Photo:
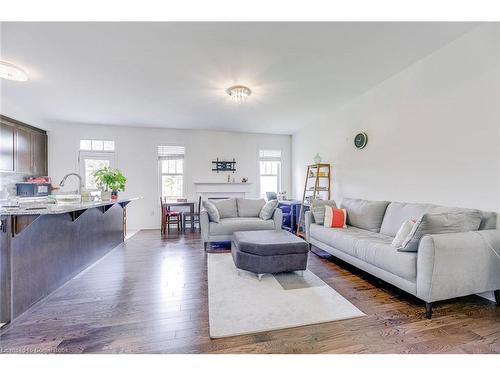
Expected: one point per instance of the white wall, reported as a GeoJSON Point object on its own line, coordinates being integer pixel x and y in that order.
{"type": "Point", "coordinates": [433, 131]}
{"type": "Point", "coordinates": [136, 156]}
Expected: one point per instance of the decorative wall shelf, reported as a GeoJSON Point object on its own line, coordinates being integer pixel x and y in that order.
{"type": "Point", "coordinates": [314, 171]}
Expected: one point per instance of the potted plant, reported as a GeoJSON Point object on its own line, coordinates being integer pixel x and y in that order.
{"type": "Point", "coordinates": [111, 182]}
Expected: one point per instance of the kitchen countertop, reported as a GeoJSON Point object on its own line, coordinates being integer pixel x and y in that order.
{"type": "Point", "coordinates": [41, 208]}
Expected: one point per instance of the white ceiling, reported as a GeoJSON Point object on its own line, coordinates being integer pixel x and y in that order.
{"type": "Point", "coordinates": [174, 74]}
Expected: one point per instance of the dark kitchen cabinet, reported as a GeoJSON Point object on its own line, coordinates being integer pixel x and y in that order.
{"type": "Point", "coordinates": [7, 147]}
{"type": "Point", "coordinates": [39, 153]}
{"type": "Point", "coordinates": [23, 148]}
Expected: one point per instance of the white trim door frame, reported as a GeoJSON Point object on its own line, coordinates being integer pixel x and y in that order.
{"type": "Point", "coordinates": [93, 155]}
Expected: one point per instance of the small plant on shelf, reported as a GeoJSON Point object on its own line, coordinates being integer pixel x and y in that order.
{"type": "Point", "coordinates": [110, 181]}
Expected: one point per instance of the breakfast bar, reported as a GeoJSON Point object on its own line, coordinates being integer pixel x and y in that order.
{"type": "Point", "coordinates": [43, 247]}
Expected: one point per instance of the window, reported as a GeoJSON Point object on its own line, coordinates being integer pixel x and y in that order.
{"type": "Point", "coordinates": [96, 145]}
{"type": "Point", "coordinates": [171, 167]}
{"type": "Point", "coordinates": [95, 154]}
{"type": "Point", "coordinates": [270, 171]}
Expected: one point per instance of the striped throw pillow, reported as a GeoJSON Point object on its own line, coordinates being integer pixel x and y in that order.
{"type": "Point", "coordinates": [335, 217]}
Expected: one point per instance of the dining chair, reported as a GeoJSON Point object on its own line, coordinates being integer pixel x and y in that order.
{"type": "Point", "coordinates": [169, 217]}
{"type": "Point", "coordinates": [196, 216]}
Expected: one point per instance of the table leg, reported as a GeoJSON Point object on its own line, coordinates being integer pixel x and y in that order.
{"type": "Point", "coordinates": [191, 209]}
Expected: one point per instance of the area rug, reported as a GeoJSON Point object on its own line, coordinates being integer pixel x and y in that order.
{"type": "Point", "coordinates": [241, 304]}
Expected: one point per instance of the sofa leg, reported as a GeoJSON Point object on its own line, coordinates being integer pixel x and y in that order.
{"type": "Point", "coordinates": [428, 310]}
{"type": "Point", "coordinates": [497, 296]}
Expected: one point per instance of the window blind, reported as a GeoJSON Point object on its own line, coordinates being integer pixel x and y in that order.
{"type": "Point", "coordinates": [170, 152]}
{"type": "Point", "coordinates": [270, 154]}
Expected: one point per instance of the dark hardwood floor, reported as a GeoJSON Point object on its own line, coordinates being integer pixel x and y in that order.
{"type": "Point", "coordinates": [150, 296]}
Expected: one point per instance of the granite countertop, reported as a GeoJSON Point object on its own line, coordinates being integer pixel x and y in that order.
{"type": "Point", "coordinates": [41, 208]}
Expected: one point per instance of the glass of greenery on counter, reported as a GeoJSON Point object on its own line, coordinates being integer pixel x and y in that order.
{"type": "Point", "coordinates": [110, 181]}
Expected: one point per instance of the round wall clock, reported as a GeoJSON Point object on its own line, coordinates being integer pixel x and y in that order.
{"type": "Point", "coordinates": [360, 140]}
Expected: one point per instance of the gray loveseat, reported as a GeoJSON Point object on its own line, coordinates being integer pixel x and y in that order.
{"type": "Point", "coordinates": [236, 215]}
{"type": "Point", "coordinates": [444, 266]}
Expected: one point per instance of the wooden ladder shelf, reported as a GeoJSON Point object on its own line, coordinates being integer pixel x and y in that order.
{"type": "Point", "coordinates": [317, 173]}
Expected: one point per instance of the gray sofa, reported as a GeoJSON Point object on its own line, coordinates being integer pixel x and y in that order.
{"type": "Point", "coordinates": [236, 215]}
{"type": "Point", "coordinates": [444, 266]}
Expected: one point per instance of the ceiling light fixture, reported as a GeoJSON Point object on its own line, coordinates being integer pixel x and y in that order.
{"type": "Point", "coordinates": [239, 93]}
{"type": "Point", "coordinates": [12, 72]}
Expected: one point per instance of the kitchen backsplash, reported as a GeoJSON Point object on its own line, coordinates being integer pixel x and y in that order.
{"type": "Point", "coordinates": [8, 184]}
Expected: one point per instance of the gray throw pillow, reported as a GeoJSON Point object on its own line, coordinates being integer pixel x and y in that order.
{"type": "Point", "coordinates": [227, 207]}
{"type": "Point", "coordinates": [365, 214]}
{"type": "Point", "coordinates": [213, 212]}
{"type": "Point", "coordinates": [436, 224]}
{"type": "Point", "coordinates": [473, 216]}
{"type": "Point", "coordinates": [267, 212]}
{"type": "Point", "coordinates": [318, 209]}
{"type": "Point", "coordinates": [488, 220]}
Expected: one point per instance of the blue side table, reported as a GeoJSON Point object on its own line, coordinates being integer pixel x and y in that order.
{"type": "Point", "coordinates": [291, 212]}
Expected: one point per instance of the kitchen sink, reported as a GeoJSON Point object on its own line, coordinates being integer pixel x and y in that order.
{"type": "Point", "coordinates": [62, 199]}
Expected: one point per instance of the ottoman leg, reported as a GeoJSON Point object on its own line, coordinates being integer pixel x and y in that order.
{"type": "Point", "coordinates": [259, 275]}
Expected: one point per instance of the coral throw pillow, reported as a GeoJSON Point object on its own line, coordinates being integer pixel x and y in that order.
{"type": "Point", "coordinates": [335, 217]}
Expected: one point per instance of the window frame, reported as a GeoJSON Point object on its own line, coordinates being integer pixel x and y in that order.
{"type": "Point", "coordinates": [96, 155]}
{"type": "Point", "coordinates": [96, 140]}
{"type": "Point", "coordinates": [161, 174]}
{"type": "Point", "coordinates": [279, 174]}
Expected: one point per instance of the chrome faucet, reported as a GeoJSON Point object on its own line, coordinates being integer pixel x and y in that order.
{"type": "Point", "coordinates": [80, 183]}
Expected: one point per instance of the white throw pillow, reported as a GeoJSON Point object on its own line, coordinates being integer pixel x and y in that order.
{"type": "Point", "coordinates": [403, 232]}
{"type": "Point", "coordinates": [267, 212]}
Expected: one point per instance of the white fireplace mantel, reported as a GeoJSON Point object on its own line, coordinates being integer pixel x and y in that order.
{"type": "Point", "coordinates": [223, 189]}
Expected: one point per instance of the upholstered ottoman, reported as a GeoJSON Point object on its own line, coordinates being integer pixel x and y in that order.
{"type": "Point", "coordinates": [269, 251]}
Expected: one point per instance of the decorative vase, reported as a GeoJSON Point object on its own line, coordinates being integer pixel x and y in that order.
{"type": "Point", "coordinates": [317, 159]}
{"type": "Point", "coordinates": [105, 195]}
{"type": "Point", "coordinates": [114, 195]}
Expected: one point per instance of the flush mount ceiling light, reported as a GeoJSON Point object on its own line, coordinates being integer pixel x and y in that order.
{"type": "Point", "coordinates": [239, 93]}
{"type": "Point", "coordinates": [12, 72]}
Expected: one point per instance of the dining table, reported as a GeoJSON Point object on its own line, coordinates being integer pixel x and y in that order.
{"type": "Point", "coordinates": [189, 204]}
